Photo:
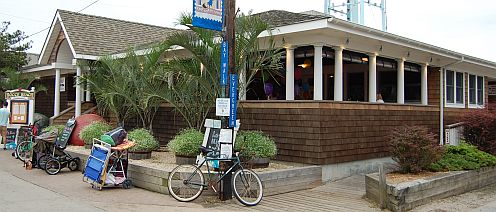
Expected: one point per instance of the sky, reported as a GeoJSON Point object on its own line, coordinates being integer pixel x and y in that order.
{"type": "Point", "coordinates": [463, 26]}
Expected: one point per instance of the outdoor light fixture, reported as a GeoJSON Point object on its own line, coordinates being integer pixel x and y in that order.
{"type": "Point", "coordinates": [365, 59]}
{"type": "Point", "coordinates": [307, 63]}
{"type": "Point", "coordinates": [380, 49]}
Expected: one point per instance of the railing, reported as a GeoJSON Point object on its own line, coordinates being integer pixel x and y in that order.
{"type": "Point", "coordinates": [453, 134]}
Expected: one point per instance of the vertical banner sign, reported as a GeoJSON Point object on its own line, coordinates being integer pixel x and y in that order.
{"type": "Point", "coordinates": [208, 14]}
{"type": "Point", "coordinates": [233, 95]}
{"type": "Point", "coordinates": [224, 59]}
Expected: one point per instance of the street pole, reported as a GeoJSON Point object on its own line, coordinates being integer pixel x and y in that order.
{"type": "Point", "coordinates": [230, 17]}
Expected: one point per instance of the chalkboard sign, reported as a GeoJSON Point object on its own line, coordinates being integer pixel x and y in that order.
{"type": "Point", "coordinates": [11, 135]}
{"type": "Point", "coordinates": [66, 134]}
{"type": "Point", "coordinates": [213, 140]}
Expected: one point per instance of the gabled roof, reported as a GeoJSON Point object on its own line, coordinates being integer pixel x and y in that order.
{"type": "Point", "coordinates": [277, 18]}
{"type": "Point", "coordinates": [97, 36]}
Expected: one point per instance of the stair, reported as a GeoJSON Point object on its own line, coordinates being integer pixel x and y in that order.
{"type": "Point", "coordinates": [61, 119]}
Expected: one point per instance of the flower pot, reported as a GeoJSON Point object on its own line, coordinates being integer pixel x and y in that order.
{"type": "Point", "coordinates": [88, 146]}
{"type": "Point", "coordinates": [140, 155]}
{"type": "Point", "coordinates": [184, 160]}
{"type": "Point", "coordinates": [256, 163]}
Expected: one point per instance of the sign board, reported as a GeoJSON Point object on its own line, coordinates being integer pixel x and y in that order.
{"type": "Point", "coordinates": [62, 84]}
{"type": "Point", "coordinates": [19, 93]}
{"type": "Point", "coordinates": [224, 60]}
{"type": "Point", "coordinates": [492, 90]}
{"type": "Point", "coordinates": [66, 133]}
{"type": "Point", "coordinates": [222, 107]}
{"type": "Point", "coordinates": [233, 95]}
{"type": "Point", "coordinates": [19, 111]}
{"type": "Point", "coordinates": [11, 135]}
{"type": "Point", "coordinates": [208, 14]}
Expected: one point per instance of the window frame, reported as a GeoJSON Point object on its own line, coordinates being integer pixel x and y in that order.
{"type": "Point", "coordinates": [454, 104]}
{"type": "Point", "coordinates": [477, 105]}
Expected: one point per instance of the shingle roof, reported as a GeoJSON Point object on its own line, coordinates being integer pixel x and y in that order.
{"type": "Point", "coordinates": [97, 36]}
{"type": "Point", "coordinates": [277, 18]}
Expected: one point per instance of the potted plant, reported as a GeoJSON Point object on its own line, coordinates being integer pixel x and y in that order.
{"type": "Point", "coordinates": [256, 148]}
{"type": "Point", "coordinates": [145, 144]}
{"type": "Point", "coordinates": [185, 146]}
{"type": "Point", "coordinates": [94, 130]}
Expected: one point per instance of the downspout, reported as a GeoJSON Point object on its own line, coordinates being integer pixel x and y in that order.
{"type": "Point", "coordinates": [441, 99]}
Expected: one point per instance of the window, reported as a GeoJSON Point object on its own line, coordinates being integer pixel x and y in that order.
{"type": "Point", "coordinates": [454, 88]}
{"type": "Point", "coordinates": [476, 90]}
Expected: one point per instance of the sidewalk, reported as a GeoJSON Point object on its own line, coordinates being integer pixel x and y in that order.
{"type": "Point", "coordinates": [67, 190]}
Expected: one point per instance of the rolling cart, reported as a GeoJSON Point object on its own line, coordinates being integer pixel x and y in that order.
{"type": "Point", "coordinates": [107, 166]}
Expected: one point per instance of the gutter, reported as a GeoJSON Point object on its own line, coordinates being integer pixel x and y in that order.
{"type": "Point", "coordinates": [441, 98]}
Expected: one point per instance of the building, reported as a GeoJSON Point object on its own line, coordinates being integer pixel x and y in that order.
{"type": "Point", "coordinates": [326, 111]}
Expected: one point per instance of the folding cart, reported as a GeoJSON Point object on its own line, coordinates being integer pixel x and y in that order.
{"type": "Point", "coordinates": [107, 166]}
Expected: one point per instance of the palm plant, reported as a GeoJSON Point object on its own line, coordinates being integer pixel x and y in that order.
{"type": "Point", "coordinates": [121, 85]}
{"type": "Point", "coordinates": [194, 82]}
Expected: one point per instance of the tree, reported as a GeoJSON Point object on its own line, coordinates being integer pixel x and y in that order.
{"type": "Point", "coordinates": [12, 50]}
{"type": "Point", "coordinates": [194, 83]}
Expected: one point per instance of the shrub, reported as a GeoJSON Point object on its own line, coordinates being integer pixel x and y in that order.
{"type": "Point", "coordinates": [54, 128]}
{"type": "Point", "coordinates": [255, 144]}
{"type": "Point", "coordinates": [186, 143]}
{"type": "Point", "coordinates": [414, 148]}
{"type": "Point", "coordinates": [463, 157]}
{"type": "Point", "coordinates": [479, 128]}
{"type": "Point", "coordinates": [94, 130]}
{"type": "Point", "coordinates": [145, 142]}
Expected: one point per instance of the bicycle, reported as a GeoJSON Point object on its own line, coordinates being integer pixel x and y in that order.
{"type": "Point", "coordinates": [187, 182]}
{"type": "Point", "coordinates": [24, 149]}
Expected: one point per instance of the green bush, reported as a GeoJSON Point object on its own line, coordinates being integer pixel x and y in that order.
{"type": "Point", "coordinates": [145, 142]}
{"type": "Point", "coordinates": [54, 128]}
{"type": "Point", "coordinates": [186, 143]}
{"type": "Point", "coordinates": [255, 144]}
{"type": "Point", "coordinates": [414, 148]}
{"type": "Point", "coordinates": [463, 157]}
{"type": "Point", "coordinates": [94, 130]}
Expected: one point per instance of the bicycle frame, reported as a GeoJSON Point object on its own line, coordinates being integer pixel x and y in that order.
{"type": "Point", "coordinates": [221, 176]}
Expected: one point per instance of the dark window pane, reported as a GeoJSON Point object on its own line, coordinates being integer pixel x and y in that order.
{"type": "Point", "coordinates": [459, 87]}
{"type": "Point", "coordinates": [480, 90]}
{"type": "Point", "coordinates": [471, 89]}
{"type": "Point", "coordinates": [450, 94]}
{"type": "Point", "coordinates": [450, 78]}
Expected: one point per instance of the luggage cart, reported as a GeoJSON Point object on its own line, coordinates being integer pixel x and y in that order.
{"type": "Point", "coordinates": [107, 166]}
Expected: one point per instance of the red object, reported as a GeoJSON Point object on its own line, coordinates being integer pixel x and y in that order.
{"type": "Point", "coordinates": [81, 122]}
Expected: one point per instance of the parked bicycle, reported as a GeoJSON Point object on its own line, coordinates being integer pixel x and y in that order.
{"type": "Point", "coordinates": [24, 149]}
{"type": "Point", "coordinates": [187, 182]}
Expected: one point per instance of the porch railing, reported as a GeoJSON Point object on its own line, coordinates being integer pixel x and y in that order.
{"type": "Point", "coordinates": [453, 134]}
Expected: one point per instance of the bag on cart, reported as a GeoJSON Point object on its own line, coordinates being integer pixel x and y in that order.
{"type": "Point", "coordinates": [118, 135]}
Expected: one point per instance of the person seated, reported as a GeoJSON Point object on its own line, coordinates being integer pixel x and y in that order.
{"type": "Point", "coordinates": [379, 98]}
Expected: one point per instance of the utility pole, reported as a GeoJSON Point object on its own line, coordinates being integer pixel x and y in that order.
{"type": "Point", "coordinates": [229, 36]}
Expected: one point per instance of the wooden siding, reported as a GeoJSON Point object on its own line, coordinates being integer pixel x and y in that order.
{"type": "Point", "coordinates": [45, 100]}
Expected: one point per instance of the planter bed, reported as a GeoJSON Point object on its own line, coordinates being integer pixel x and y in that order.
{"type": "Point", "coordinates": [407, 195]}
{"type": "Point", "coordinates": [152, 174]}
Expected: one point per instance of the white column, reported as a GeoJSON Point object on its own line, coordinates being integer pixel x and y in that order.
{"type": "Point", "coordinates": [290, 73]}
{"type": "Point", "coordinates": [372, 77]}
{"type": "Point", "coordinates": [338, 73]}
{"type": "Point", "coordinates": [78, 93]}
{"type": "Point", "coordinates": [88, 93]}
{"type": "Point", "coordinates": [423, 75]}
{"type": "Point", "coordinates": [56, 106]}
{"type": "Point", "coordinates": [401, 81]}
{"type": "Point", "coordinates": [317, 73]}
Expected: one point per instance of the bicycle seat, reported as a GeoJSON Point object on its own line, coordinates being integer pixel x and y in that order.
{"type": "Point", "coordinates": [205, 150]}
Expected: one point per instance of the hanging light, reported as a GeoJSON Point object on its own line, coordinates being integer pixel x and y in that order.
{"type": "Point", "coordinates": [306, 64]}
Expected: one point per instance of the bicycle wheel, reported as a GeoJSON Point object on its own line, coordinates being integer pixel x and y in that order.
{"type": "Point", "coordinates": [186, 183]}
{"type": "Point", "coordinates": [247, 187]}
{"type": "Point", "coordinates": [52, 166]}
{"type": "Point", "coordinates": [23, 149]}
{"type": "Point", "coordinates": [42, 161]}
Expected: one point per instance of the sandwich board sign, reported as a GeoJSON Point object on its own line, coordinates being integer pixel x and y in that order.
{"type": "Point", "coordinates": [208, 14]}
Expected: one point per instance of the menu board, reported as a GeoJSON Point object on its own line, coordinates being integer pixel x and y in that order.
{"type": "Point", "coordinates": [19, 111]}
{"type": "Point", "coordinates": [11, 135]}
{"type": "Point", "coordinates": [66, 133]}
